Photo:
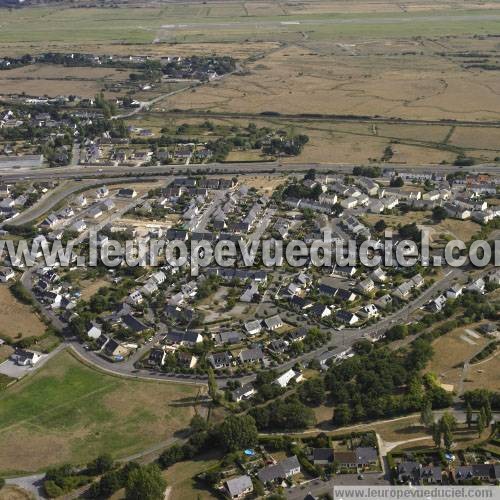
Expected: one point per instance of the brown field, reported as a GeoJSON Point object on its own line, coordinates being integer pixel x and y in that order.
{"type": "Point", "coordinates": [90, 288]}
{"type": "Point", "coordinates": [484, 375]}
{"type": "Point", "coordinates": [5, 352]}
{"type": "Point", "coordinates": [250, 155]}
{"type": "Point", "coordinates": [17, 320]}
{"type": "Point", "coordinates": [264, 183]}
{"type": "Point", "coordinates": [476, 137]}
{"type": "Point", "coordinates": [396, 220]}
{"type": "Point", "coordinates": [58, 80]}
{"type": "Point", "coordinates": [299, 79]}
{"type": "Point", "coordinates": [462, 230]}
{"type": "Point", "coordinates": [450, 351]}
{"type": "Point", "coordinates": [404, 153]}
{"type": "Point", "coordinates": [11, 492]}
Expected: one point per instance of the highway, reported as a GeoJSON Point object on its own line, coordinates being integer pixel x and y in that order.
{"type": "Point", "coordinates": [112, 171]}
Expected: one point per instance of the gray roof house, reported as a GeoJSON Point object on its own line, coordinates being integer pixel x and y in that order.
{"type": "Point", "coordinates": [239, 486]}
{"type": "Point", "coordinates": [281, 470]}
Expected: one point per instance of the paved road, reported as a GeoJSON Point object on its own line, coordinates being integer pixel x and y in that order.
{"type": "Point", "coordinates": [350, 336]}
{"type": "Point", "coordinates": [104, 171]}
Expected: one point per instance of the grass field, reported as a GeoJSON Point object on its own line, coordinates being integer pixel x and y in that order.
{"type": "Point", "coordinates": [180, 477]}
{"type": "Point", "coordinates": [77, 413]}
{"type": "Point", "coordinates": [17, 320]}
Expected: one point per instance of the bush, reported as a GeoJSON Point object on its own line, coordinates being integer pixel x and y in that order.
{"type": "Point", "coordinates": [51, 489]}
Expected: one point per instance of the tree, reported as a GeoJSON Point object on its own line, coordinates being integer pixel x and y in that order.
{"type": "Point", "coordinates": [213, 390]}
{"type": "Point", "coordinates": [448, 421]}
{"type": "Point", "coordinates": [447, 438]}
{"type": "Point", "coordinates": [468, 413]}
{"type": "Point", "coordinates": [103, 463]}
{"type": "Point", "coordinates": [426, 415]}
{"type": "Point", "coordinates": [380, 226]}
{"type": "Point", "coordinates": [342, 415]}
{"type": "Point", "coordinates": [397, 182]}
{"type": "Point", "coordinates": [145, 483]}
{"type": "Point", "coordinates": [237, 432]}
{"type": "Point", "coordinates": [487, 412]}
{"type": "Point", "coordinates": [312, 391]}
{"type": "Point", "coordinates": [436, 435]}
{"type": "Point", "coordinates": [198, 423]}
{"type": "Point", "coordinates": [439, 214]}
{"type": "Point", "coordinates": [480, 424]}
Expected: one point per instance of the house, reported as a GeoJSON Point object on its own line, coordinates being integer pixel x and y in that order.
{"type": "Point", "coordinates": [80, 201]}
{"type": "Point", "coordinates": [102, 192]}
{"type": "Point", "coordinates": [273, 323]}
{"type": "Point", "coordinates": [228, 337]}
{"type": "Point", "coordinates": [298, 335]}
{"type": "Point", "coordinates": [378, 275]}
{"type": "Point", "coordinates": [282, 470]}
{"type": "Point", "coordinates": [94, 332]}
{"type": "Point", "coordinates": [250, 293]}
{"type": "Point", "coordinates": [220, 360]}
{"type": "Point", "coordinates": [477, 286]}
{"type": "Point", "coordinates": [349, 203]}
{"type": "Point", "coordinates": [417, 281]}
{"type": "Point", "coordinates": [347, 317]}
{"type": "Point", "coordinates": [149, 288]}
{"type": "Point", "coordinates": [376, 207]}
{"type": "Point", "coordinates": [135, 298]}
{"type": "Point", "coordinates": [159, 277]}
{"type": "Point", "coordinates": [79, 226]}
{"type": "Point", "coordinates": [403, 291]}
{"type": "Point", "coordinates": [408, 472]}
{"type": "Point", "coordinates": [6, 274]}
{"type": "Point", "coordinates": [24, 357]}
{"type": "Point", "coordinates": [320, 311]}
{"type": "Point", "coordinates": [115, 350]}
{"type": "Point", "coordinates": [300, 304]}
{"type": "Point", "coordinates": [156, 356]}
{"type": "Point", "coordinates": [366, 285]}
{"type": "Point", "coordinates": [284, 379]}
{"type": "Point", "coordinates": [94, 212]}
{"type": "Point", "coordinates": [252, 355]}
{"type": "Point", "coordinates": [189, 339]}
{"type": "Point", "coordinates": [134, 324]}
{"type": "Point", "coordinates": [454, 291]}
{"type": "Point", "coordinates": [346, 459]}
{"type": "Point", "coordinates": [431, 474]}
{"type": "Point", "coordinates": [253, 327]}
{"type": "Point", "coordinates": [127, 193]}
{"type": "Point", "coordinates": [244, 392]}
{"type": "Point", "coordinates": [239, 486]}
{"type": "Point", "coordinates": [489, 329]}
{"type": "Point", "coordinates": [107, 205]}
{"type": "Point", "coordinates": [187, 359]}
{"type": "Point", "coordinates": [344, 271]}
{"type": "Point", "coordinates": [369, 186]}
{"type": "Point", "coordinates": [384, 301]}
{"type": "Point", "coordinates": [369, 311]}
{"type": "Point", "coordinates": [437, 304]}
{"type": "Point", "coordinates": [366, 455]}
{"type": "Point", "coordinates": [494, 277]}
{"type": "Point", "coordinates": [322, 456]}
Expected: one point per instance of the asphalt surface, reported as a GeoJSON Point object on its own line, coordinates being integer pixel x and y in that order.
{"type": "Point", "coordinates": [103, 171]}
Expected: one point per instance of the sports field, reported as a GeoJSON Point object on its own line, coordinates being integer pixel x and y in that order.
{"type": "Point", "coordinates": [68, 412]}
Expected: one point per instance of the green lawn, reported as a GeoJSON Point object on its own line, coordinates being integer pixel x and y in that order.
{"type": "Point", "coordinates": [68, 412]}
